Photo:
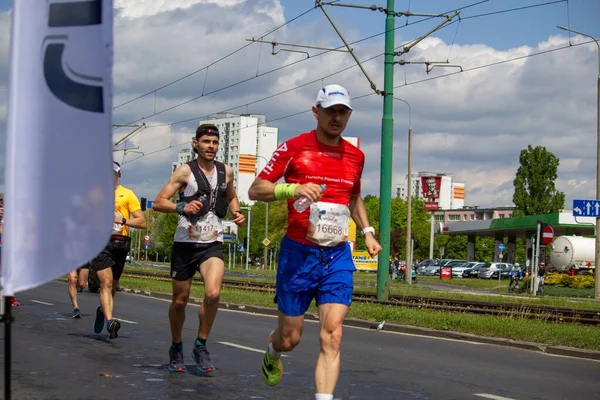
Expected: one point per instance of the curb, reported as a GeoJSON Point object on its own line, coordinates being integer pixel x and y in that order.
{"type": "Point", "coordinates": [408, 329]}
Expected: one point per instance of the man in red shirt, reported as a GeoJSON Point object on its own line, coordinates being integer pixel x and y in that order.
{"type": "Point", "coordinates": [323, 170]}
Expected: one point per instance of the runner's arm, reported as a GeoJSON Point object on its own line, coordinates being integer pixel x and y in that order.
{"type": "Point", "coordinates": [232, 199]}
{"type": "Point", "coordinates": [358, 211]}
{"type": "Point", "coordinates": [263, 187]}
{"type": "Point", "coordinates": [162, 202]}
{"type": "Point", "coordinates": [262, 190]}
{"type": "Point", "coordinates": [136, 220]}
{"type": "Point", "coordinates": [359, 215]}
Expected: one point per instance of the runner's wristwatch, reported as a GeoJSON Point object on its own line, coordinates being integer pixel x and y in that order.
{"type": "Point", "coordinates": [367, 230]}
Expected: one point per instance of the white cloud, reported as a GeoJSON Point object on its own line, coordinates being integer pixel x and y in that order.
{"type": "Point", "coordinates": [471, 124]}
{"type": "Point", "coordinates": [145, 8]}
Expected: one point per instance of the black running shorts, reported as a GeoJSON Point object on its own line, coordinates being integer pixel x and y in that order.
{"type": "Point", "coordinates": [112, 256]}
{"type": "Point", "coordinates": [187, 257]}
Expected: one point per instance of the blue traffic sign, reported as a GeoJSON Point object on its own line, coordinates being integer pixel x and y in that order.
{"type": "Point", "coordinates": [146, 247]}
{"type": "Point", "coordinates": [501, 246]}
{"type": "Point", "coordinates": [586, 208]}
{"type": "Point", "coordinates": [149, 204]}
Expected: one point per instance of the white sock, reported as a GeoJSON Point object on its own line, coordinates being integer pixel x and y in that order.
{"type": "Point", "coordinates": [321, 396]}
{"type": "Point", "coordinates": [274, 354]}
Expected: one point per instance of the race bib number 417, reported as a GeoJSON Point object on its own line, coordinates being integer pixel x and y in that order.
{"type": "Point", "coordinates": [328, 223]}
{"type": "Point", "coordinates": [205, 230]}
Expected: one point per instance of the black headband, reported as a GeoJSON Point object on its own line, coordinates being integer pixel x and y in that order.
{"type": "Point", "coordinates": [209, 131]}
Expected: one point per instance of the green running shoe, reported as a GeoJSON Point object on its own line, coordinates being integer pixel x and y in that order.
{"type": "Point", "coordinates": [272, 369]}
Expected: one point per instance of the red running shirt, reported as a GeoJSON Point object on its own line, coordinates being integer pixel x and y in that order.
{"type": "Point", "coordinates": [304, 159]}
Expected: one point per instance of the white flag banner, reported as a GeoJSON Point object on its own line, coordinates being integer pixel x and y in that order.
{"type": "Point", "coordinates": [59, 181]}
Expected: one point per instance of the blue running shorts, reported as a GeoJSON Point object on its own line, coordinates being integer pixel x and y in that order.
{"type": "Point", "coordinates": [306, 272]}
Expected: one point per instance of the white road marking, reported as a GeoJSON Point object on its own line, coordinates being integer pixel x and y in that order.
{"type": "Point", "coordinates": [491, 396]}
{"type": "Point", "coordinates": [42, 302]}
{"type": "Point", "coordinates": [125, 320]}
{"type": "Point", "coordinates": [239, 346]}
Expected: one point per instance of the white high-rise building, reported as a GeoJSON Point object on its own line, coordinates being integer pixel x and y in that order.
{"type": "Point", "coordinates": [246, 144]}
{"type": "Point", "coordinates": [452, 194]}
{"type": "Point", "coordinates": [183, 157]}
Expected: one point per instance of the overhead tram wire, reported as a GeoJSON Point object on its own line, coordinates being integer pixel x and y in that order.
{"type": "Point", "coordinates": [285, 66]}
{"type": "Point", "coordinates": [214, 62]}
{"type": "Point", "coordinates": [188, 142]}
{"type": "Point", "coordinates": [396, 87]}
{"type": "Point", "coordinates": [315, 80]}
{"type": "Point", "coordinates": [539, 53]}
{"type": "Point", "coordinates": [516, 9]}
{"type": "Point", "coordinates": [328, 51]}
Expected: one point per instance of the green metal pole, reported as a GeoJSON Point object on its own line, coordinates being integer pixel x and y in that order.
{"type": "Point", "coordinates": [387, 142]}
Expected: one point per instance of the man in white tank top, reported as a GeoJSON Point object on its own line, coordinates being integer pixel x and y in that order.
{"type": "Point", "coordinates": [206, 192]}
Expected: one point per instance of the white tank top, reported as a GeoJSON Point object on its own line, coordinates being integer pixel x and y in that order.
{"type": "Point", "coordinates": [209, 228]}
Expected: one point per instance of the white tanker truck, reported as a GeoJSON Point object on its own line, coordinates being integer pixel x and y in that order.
{"type": "Point", "coordinates": [572, 252]}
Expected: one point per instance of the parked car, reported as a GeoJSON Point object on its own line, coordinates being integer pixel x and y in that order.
{"type": "Point", "coordinates": [487, 271]}
{"type": "Point", "coordinates": [504, 272]}
{"type": "Point", "coordinates": [472, 269]}
{"type": "Point", "coordinates": [420, 267]}
{"type": "Point", "coordinates": [434, 269]}
{"type": "Point", "coordinates": [459, 270]}
{"type": "Point", "coordinates": [456, 267]}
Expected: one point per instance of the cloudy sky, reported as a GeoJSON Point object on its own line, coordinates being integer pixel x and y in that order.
{"type": "Point", "coordinates": [472, 124]}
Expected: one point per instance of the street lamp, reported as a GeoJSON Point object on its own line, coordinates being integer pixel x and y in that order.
{"type": "Point", "coordinates": [248, 234]}
{"type": "Point", "coordinates": [597, 259]}
{"type": "Point", "coordinates": [409, 255]}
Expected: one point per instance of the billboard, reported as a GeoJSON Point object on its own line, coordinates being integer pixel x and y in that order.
{"type": "Point", "coordinates": [363, 261]}
{"type": "Point", "coordinates": [430, 186]}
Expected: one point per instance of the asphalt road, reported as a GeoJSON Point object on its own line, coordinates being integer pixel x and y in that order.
{"type": "Point", "coordinates": [57, 357]}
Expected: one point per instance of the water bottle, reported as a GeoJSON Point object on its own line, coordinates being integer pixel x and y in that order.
{"type": "Point", "coordinates": [302, 203]}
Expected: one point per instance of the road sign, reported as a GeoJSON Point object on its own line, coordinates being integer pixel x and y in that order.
{"type": "Point", "coordinates": [149, 204]}
{"type": "Point", "coordinates": [586, 208]}
{"type": "Point", "coordinates": [501, 247]}
{"type": "Point", "coordinates": [146, 247]}
{"type": "Point", "coordinates": [266, 242]}
{"type": "Point", "coordinates": [547, 234]}
{"type": "Point", "coordinates": [442, 250]}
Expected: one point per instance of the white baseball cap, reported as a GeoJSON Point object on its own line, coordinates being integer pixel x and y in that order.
{"type": "Point", "coordinates": [332, 95]}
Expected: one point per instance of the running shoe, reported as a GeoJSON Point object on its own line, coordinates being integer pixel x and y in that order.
{"type": "Point", "coordinates": [76, 313]}
{"type": "Point", "coordinates": [272, 369]}
{"type": "Point", "coordinates": [176, 359]}
{"type": "Point", "coordinates": [202, 359]}
{"type": "Point", "coordinates": [113, 327]}
{"type": "Point", "coordinates": [99, 322]}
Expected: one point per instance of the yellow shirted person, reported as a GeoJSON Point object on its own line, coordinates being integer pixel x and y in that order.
{"type": "Point", "coordinates": [109, 264]}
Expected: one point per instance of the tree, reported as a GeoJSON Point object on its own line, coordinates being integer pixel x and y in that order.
{"type": "Point", "coordinates": [535, 190]}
